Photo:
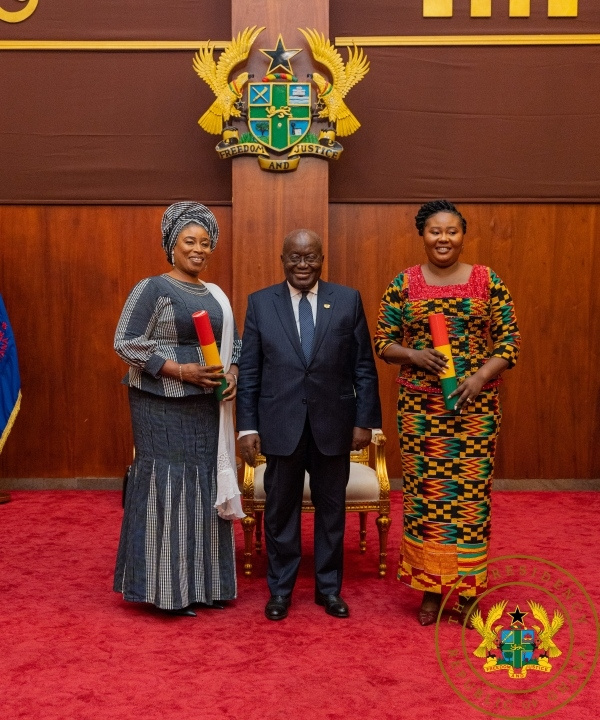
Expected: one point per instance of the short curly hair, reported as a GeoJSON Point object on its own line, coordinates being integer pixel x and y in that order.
{"type": "Point", "coordinates": [435, 206]}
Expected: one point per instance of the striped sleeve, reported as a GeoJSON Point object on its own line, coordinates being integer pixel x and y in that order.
{"type": "Point", "coordinates": [389, 321]}
{"type": "Point", "coordinates": [237, 350]}
{"type": "Point", "coordinates": [136, 325]}
{"type": "Point", "coordinates": [504, 330]}
{"type": "Point", "coordinates": [237, 345]}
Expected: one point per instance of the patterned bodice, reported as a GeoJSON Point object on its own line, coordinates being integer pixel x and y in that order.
{"type": "Point", "coordinates": [156, 325]}
{"type": "Point", "coordinates": [479, 314]}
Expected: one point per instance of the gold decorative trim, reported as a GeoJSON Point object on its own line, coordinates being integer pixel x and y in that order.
{"type": "Point", "coordinates": [111, 45]}
{"type": "Point", "coordinates": [460, 40]}
{"type": "Point", "coordinates": [365, 41]}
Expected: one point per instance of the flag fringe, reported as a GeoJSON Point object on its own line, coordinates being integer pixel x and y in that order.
{"type": "Point", "coordinates": [11, 421]}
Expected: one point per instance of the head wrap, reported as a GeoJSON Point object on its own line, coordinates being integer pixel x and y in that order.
{"type": "Point", "coordinates": [180, 214]}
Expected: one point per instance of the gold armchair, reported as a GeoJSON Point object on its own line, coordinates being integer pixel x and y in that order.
{"type": "Point", "coordinates": [368, 490]}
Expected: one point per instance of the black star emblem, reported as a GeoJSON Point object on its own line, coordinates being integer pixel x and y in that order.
{"type": "Point", "coordinates": [280, 57]}
{"type": "Point", "coordinates": [517, 616]}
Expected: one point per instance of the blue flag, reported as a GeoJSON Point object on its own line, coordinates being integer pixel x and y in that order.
{"type": "Point", "coordinates": [10, 382]}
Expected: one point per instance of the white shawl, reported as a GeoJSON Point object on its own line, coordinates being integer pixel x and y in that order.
{"type": "Point", "coordinates": [229, 505]}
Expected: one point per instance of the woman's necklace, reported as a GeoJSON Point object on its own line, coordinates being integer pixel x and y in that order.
{"type": "Point", "coordinates": [193, 288]}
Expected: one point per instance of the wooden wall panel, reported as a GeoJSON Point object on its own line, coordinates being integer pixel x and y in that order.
{"type": "Point", "coordinates": [545, 254]}
{"type": "Point", "coordinates": [66, 271]}
{"type": "Point", "coordinates": [65, 274]}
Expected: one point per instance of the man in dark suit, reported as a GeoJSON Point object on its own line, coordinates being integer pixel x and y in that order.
{"type": "Point", "coordinates": [307, 396]}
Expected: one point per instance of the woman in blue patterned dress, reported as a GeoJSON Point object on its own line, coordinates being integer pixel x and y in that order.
{"type": "Point", "coordinates": [447, 455]}
{"type": "Point", "coordinates": [176, 549]}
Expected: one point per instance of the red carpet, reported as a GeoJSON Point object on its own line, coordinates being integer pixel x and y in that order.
{"type": "Point", "coordinates": [71, 648]}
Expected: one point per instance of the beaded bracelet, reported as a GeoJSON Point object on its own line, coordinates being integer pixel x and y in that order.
{"type": "Point", "coordinates": [180, 375]}
{"type": "Point", "coordinates": [233, 376]}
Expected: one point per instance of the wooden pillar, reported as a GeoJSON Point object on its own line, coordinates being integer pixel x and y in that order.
{"type": "Point", "coordinates": [268, 205]}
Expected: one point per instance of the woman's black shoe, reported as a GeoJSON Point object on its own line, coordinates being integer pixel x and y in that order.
{"type": "Point", "coordinates": [186, 612]}
{"type": "Point", "coordinates": [215, 605]}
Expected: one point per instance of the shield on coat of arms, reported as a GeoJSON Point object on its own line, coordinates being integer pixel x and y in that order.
{"type": "Point", "coordinates": [279, 114]}
{"type": "Point", "coordinates": [517, 646]}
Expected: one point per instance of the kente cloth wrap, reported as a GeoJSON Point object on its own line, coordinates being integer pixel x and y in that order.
{"type": "Point", "coordinates": [180, 214]}
{"type": "Point", "coordinates": [447, 459]}
{"type": "Point", "coordinates": [476, 312]}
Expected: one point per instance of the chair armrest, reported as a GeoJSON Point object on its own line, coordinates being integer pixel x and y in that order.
{"type": "Point", "coordinates": [379, 440]}
{"type": "Point", "coordinates": [248, 483]}
{"type": "Point", "coordinates": [377, 437]}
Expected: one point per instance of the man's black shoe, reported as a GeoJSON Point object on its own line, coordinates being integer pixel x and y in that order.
{"type": "Point", "coordinates": [277, 607]}
{"type": "Point", "coordinates": [334, 605]}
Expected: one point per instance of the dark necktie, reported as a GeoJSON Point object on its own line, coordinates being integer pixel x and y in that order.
{"type": "Point", "coordinates": [307, 325]}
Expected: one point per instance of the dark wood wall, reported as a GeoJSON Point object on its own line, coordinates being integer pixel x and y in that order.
{"type": "Point", "coordinates": [66, 271]}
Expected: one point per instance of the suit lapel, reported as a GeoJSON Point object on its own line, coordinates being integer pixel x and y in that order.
{"type": "Point", "coordinates": [325, 309]}
{"type": "Point", "coordinates": [283, 307]}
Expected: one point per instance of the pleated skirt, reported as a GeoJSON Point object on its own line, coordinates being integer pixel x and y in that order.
{"type": "Point", "coordinates": [447, 465]}
{"type": "Point", "coordinates": [174, 549]}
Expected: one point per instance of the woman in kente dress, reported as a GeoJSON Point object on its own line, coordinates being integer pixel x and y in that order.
{"type": "Point", "coordinates": [447, 455]}
{"type": "Point", "coordinates": [176, 549]}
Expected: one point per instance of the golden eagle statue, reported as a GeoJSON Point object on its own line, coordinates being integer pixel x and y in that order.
{"type": "Point", "coordinates": [332, 94]}
{"type": "Point", "coordinates": [216, 76]}
{"type": "Point", "coordinates": [490, 637]}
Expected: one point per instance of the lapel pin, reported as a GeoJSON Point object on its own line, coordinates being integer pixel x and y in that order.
{"type": "Point", "coordinates": [326, 305]}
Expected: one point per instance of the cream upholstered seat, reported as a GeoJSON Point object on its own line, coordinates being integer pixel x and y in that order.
{"type": "Point", "coordinates": [368, 490]}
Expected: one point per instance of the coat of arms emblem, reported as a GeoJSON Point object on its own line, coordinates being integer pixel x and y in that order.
{"type": "Point", "coordinates": [279, 110]}
{"type": "Point", "coordinates": [518, 648]}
